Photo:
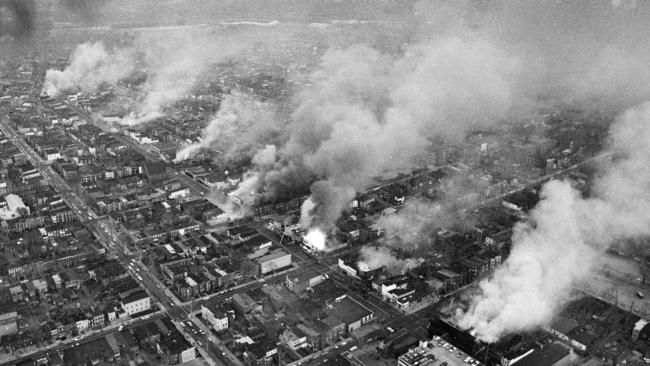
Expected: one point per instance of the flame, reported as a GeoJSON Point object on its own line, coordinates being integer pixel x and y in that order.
{"type": "Point", "coordinates": [315, 238]}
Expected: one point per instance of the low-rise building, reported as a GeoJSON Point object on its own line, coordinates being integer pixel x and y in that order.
{"type": "Point", "coordinates": [276, 260]}
{"type": "Point", "coordinates": [351, 313]}
{"type": "Point", "coordinates": [215, 315]}
{"type": "Point", "coordinates": [8, 323]}
{"type": "Point", "coordinates": [136, 303]}
{"type": "Point", "coordinates": [303, 280]}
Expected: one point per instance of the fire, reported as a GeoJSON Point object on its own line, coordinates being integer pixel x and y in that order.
{"type": "Point", "coordinates": [315, 238]}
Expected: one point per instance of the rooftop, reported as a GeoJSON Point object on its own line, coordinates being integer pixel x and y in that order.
{"type": "Point", "coordinates": [273, 255]}
{"type": "Point", "coordinates": [139, 295]}
{"type": "Point", "coordinates": [545, 356]}
{"type": "Point", "coordinates": [349, 311]}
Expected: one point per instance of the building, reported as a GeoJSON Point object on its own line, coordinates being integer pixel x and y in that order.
{"type": "Point", "coordinates": [177, 348]}
{"type": "Point", "coordinates": [180, 193]}
{"type": "Point", "coordinates": [294, 338]}
{"type": "Point", "coordinates": [136, 303]}
{"type": "Point", "coordinates": [215, 315]}
{"type": "Point", "coordinates": [532, 151]}
{"type": "Point", "coordinates": [638, 328]}
{"type": "Point", "coordinates": [277, 259]}
{"type": "Point", "coordinates": [347, 268]}
{"type": "Point", "coordinates": [552, 354]}
{"type": "Point", "coordinates": [155, 171]}
{"type": "Point", "coordinates": [260, 352]}
{"type": "Point", "coordinates": [14, 208]}
{"type": "Point", "coordinates": [245, 304]}
{"type": "Point", "coordinates": [351, 313]}
{"type": "Point", "coordinates": [301, 281]}
{"type": "Point", "coordinates": [8, 323]}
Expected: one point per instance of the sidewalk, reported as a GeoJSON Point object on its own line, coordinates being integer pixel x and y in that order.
{"type": "Point", "coordinates": [320, 353]}
{"type": "Point", "coordinates": [215, 340]}
{"type": "Point", "coordinates": [206, 356]}
{"type": "Point", "coordinates": [32, 350]}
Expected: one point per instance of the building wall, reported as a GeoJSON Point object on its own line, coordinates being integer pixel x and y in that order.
{"type": "Point", "coordinates": [188, 355]}
{"type": "Point", "coordinates": [137, 306]}
{"type": "Point", "coordinates": [8, 326]}
{"type": "Point", "coordinates": [354, 326]}
{"type": "Point", "coordinates": [274, 264]}
{"type": "Point", "coordinates": [218, 324]}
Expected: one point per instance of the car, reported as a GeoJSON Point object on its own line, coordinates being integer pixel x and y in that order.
{"type": "Point", "coordinates": [640, 295]}
{"type": "Point", "coordinates": [120, 328]}
{"type": "Point", "coordinates": [353, 348]}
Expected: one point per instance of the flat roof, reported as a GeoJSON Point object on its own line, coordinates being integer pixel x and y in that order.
{"type": "Point", "coordinates": [545, 356]}
{"type": "Point", "coordinates": [138, 295]}
{"type": "Point", "coordinates": [348, 310]}
{"type": "Point", "coordinates": [10, 315]}
{"type": "Point", "coordinates": [278, 253]}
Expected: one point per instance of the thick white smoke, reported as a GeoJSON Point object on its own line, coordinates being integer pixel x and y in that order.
{"type": "Point", "coordinates": [404, 231]}
{"type": "Point", "coordinates": [242, 125]}
{"type": "Point", "coordinates": [91, 65]}
{"type": "Point", "coordinates": [404, 228]}
{"type": "Point", "coordinates": [174, 60]}
{"type": "Point", "coordinates": [368, 114]}
{"type": "Point", "coordinates": [471, 63]}
{"type": "Point", "coordinates": [174, 65]}
{"type": "Point", "coordinates": [305, 213]}
{"type": "Point", "coordinates": [376, 257]}
{"type": "Point", "coordinates": [565, 233]}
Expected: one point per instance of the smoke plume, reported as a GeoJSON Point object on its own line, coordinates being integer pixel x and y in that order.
{"type": "Point", "coordinates": [368, 114]}
{"type": "Point", "coordinates": [564, 235]}
{"type": "Point", "coordinates": [242, 125]}
{"type": "Point", "coordinates": [174, 66]}
{"type": "Point", "coordinates": [173, 60]}
{"type": "Point", "coordinates": [91, 65]}
{"type": "Point", "coordinates": [376, 257]}
{"type": "Point", "coordinates": [403, 229]}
